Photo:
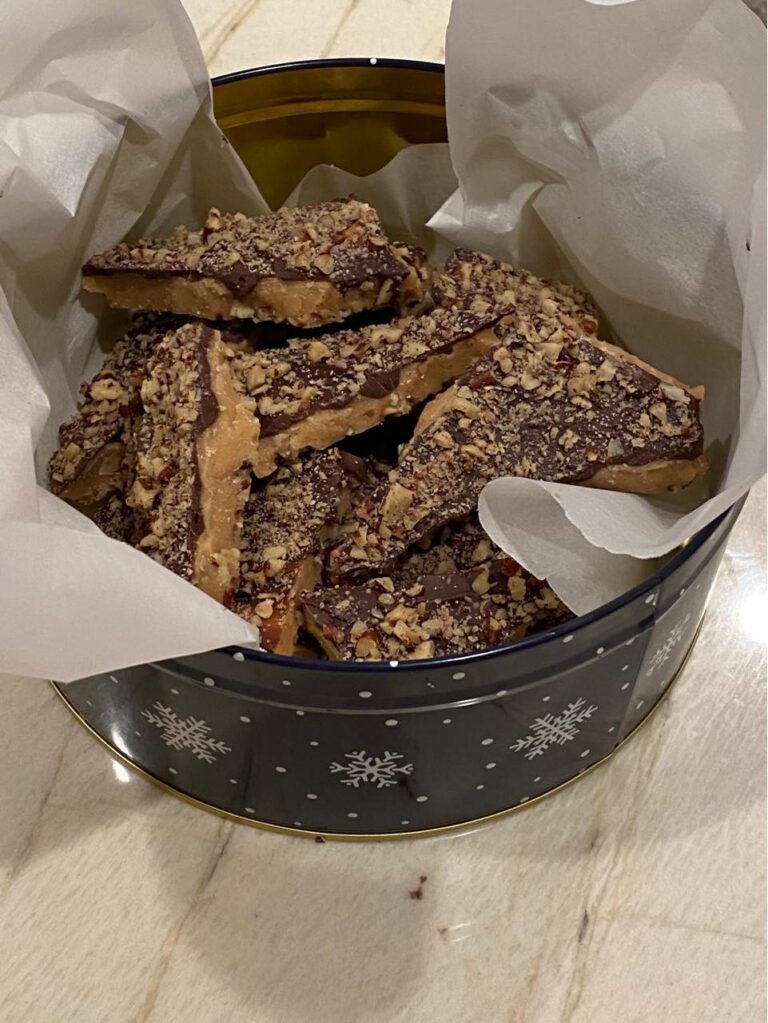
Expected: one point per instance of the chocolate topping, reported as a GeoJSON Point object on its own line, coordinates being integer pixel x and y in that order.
{"type": "Point", "coordinates": [381, 385]}
{"type": "Point", "coordinates": [340, 241]}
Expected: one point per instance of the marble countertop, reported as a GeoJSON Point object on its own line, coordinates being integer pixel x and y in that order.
{"type": "Point", "coordinates": [636, 895]}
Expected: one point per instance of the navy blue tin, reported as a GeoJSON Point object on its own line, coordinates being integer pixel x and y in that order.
{"type": "Point", "coordinates": [376, 750]}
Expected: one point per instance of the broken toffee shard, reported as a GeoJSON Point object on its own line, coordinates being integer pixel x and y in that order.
{"type": "Point", "coordinates": [312, 395]}
{"type": "Point", "coordinates": [195, 443]}
{"type": "Point", "coordinates": [584, 412]}
{"type": "Point", "coordinates": [431, 616]}
{"type": "Point", "coordinates": [454, 547]}
{"type": "Point", "coordinates": [89, 462]}
{"type": "Point", "coordinates": [288, 525]}
{"type": "Point", "coordinates": [473, 280]}
{"type": "Point", "coordinates": [308, 266]}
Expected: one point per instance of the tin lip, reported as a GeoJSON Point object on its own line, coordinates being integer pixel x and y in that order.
{"type": "Point", "coordinates": [328, 62]}
{"type": "Point", "coordinates": [481, 656]}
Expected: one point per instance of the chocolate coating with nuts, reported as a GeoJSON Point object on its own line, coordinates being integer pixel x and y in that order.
{"type": "Point", "coordinates": [474, 280]}
{"type": "Point", "coordinates": [339, 243]}
{"type": "Point", "coordinates": [432, 616]}
{"type": "Point", "coordinates": [541, 410]}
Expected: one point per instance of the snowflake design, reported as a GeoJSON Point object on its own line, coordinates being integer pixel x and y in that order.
{"type": "Point", "coordinates": [664, 652]}
{"type": "Point", "coordinates": [362, 768]}
{"type": "Point", "coordinates": [553, 730]}
{"type": "Point", "coordinates": [185, 733]}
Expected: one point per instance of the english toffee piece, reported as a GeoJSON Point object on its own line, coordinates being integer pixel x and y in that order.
{"type": "Point", "coordinates": [90, 460]}
{"type": "Point", "coordinates": [433, 615]}
{"type": "Point", "coordinates": [312, 395]}
{"type": "Point", "coordinates": [289, 523]}
{"type": "Point", "coordinates": [455, 547]}
{"type": "Point", "coordinates": [195, 444]}
{"type": "Point", "coordinates": [583, 412]}
{"type": "Point", "coordinates": [472, 280]}
{"type": "Point", "coordinates": [307, 266]}
{"type": "Point", "coordinates": [191, 442]}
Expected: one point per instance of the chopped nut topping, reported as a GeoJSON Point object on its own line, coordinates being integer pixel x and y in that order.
{"type": "Point", "coordinates": [397, 502]}
{"type": "Point", "coordinates": [424, 649]}
{"type": "Point", "coordinates": [317, 350]}
{"type": "Point", "coordinates": [275, 551]}
{"type": "Point", "coordinates": [539, 308]}
{"type": "Point", "coordinates": [480, 583]}
{"type": "Point", "coordinates": [264, 608]}
{"type": "Point", "coordinates": [289, 522]}
{"type": "Point", "coordinates": [366, 649]}
{"type": "Point", "coordinates": [443, 614]}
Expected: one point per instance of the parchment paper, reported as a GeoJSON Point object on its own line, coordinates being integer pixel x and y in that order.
{"type": "Point", "coordinates": [406, 192]}
{"type": "Point", "coordinates": [618, 146]}
{"type": "Point", "coordinates": [622, 146]}
{"type": "Point", "coordinates": [105, 130]}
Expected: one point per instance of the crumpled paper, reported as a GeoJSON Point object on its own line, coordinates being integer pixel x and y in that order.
{"type": "Point", "coordinates": [621, 145]}
{"type": "Point", "coordinates": [615, 145]}
{"type": "Point", "coordinates": [105, 130]}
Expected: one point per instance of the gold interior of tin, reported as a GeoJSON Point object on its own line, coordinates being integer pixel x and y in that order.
{"type": "Point", "coordinates": [285, 122]}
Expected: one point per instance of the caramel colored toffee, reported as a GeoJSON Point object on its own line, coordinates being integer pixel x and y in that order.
{"type": "Point", "coordinates": [194, 445]}
{"type": "Point", "coordinates": [289, 523]}
{"type": "Point", "coordinates": [308, 266]}
{"type": "Point", "coordinates": [584, 413]}
{"type": "Point", "coordinates": [431, 616]}
{"type": "Point", "coordinates": [312, 395]}
{"type": "Point", "coordinates": [472, 280]}
{"type": "Point", "coordinates": [90, 460]}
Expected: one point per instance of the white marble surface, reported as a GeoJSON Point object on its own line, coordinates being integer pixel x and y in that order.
{"type": "Point", "coordinates": [635, 896]}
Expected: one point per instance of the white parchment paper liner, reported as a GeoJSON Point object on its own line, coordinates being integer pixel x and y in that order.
{"type": "Point", "coordinates": [105, 129]}
{"type": "Point", "coordinates": [622, 145]}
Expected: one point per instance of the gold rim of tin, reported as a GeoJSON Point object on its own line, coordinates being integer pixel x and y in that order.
{"type": "Point", "coordinates": [442, 829]}
{"type": "Point", "coordinates": [285, 120]}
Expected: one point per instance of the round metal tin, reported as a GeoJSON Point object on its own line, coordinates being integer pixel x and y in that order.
{"type": "Point", "coordinates": [378, 750]}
